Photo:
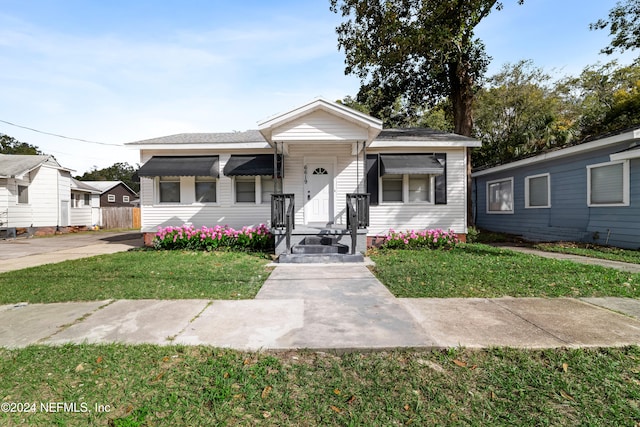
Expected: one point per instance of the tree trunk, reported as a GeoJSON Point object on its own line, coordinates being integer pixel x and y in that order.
{"type": "Point", "coordinates": [462, 100]}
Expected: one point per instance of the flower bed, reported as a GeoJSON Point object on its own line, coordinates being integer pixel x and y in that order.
{"type": "Point", "coordinates": [419, 239]}
{"type": "Point", "coordinates": [210, 239]}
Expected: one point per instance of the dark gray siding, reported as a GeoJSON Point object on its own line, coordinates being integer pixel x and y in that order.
{"type": "Point", "coordinates": [569, 217]}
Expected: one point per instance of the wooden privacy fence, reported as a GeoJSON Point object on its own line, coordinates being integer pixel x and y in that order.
{"type": "Point", "coordinates": [120, 217]}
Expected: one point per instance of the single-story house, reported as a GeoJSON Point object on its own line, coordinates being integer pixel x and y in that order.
{"type": "Point", "coordinates": [85, 203]}
{"type": "Point", "coordinates": [114, 193]}
{"type": "Point", "coordinates": [326, 161]}
{"type": "Point", "coordinates": [35, 193]}
{"type": "Point", "coordinates": [588, 193]}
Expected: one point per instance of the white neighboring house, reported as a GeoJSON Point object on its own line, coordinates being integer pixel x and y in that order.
{"type": "Point", "coordinates": [35, 191]}
{"type": "Point", "coordinates": [85, 203]}
{"type": "Point", "coordinates": [318, 153]}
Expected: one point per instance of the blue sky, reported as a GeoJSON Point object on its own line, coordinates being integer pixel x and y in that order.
{"type": "Point", "coordinates": [119, 71]}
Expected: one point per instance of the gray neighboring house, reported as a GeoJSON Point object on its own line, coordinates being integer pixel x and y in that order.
{"type": "Point", "coordinates": [588, 192]}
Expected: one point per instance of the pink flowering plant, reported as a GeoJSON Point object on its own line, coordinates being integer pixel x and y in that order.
{"type": "Point", "coordinates": [187, 237]}
{"type": "Point", "coordinates": [419, 239]}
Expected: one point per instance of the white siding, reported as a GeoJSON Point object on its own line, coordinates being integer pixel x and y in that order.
{"type": "Point", "coordinates": [224, 212]}
{"type": "Point", "coordinates": [319, 126]}
{"type": "Point", "coordinates": [4, 201]}
{"type": "Point", "coordinates": [45, 185]}
{"type": "Point", "coordinates": [406, 216]}
{"type": "Point", "coordinates": [80, 216]}
{"type": "Point", "coordinates": [345, 175]}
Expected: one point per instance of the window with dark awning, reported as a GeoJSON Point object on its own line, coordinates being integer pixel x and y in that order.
{"type": "Point", "coordinates": [180, 166]}
{"type": "Point", "coordinates": [410, 164]}
{"type": "Point", "coordinates": [245, 165]}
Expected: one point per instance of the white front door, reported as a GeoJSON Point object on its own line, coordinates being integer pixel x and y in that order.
{"type": "Point", "coordinates": [318, 193]}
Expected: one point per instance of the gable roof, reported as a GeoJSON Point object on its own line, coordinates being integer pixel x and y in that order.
{"type": "Point", "coordinates": [204, 138]}
{"type": "Point", "coordinates": [104, 186]}
{"type": "Point", "coordinates": [18, 165]}
{"type": "Point", "coordinates": [83, 186]}
{"type": "Point", "coordinates": [373, 125]}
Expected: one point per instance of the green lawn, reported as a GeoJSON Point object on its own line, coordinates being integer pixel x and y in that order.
{"type": "Point", "coordinates": [477, 270]}
{"type": "Point", "coordinates": [172, 385]}
{"type": "Point", "coordinates": [137, 275]}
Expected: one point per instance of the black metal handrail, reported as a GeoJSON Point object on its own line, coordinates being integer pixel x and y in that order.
{"type": "Point", "coordinates": [360, 202]}
{"type": "Point", "coordinates": [357, 215]}
{"type": "Point", "coordinates": [283, 214]}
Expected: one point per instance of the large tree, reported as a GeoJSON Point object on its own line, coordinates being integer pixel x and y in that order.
{"type": "Point", "coordinates": [606, 98]}
{"type": "Point", "coordinates": [624, 26]}
{"type": "Point", "coordinates": [418, 51]}
{"type": "Point", "coordinates": [519, 112]}
{"type": "Point", "coordinates": [10, 145]}
{"type": "Point", "coordinates": [117, 172]}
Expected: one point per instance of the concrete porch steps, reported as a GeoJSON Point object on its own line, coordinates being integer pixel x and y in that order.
{"type": "Point", "coordinates": [319, 249]}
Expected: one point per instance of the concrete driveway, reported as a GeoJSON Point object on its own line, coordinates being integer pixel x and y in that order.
{"type": "Point", "coordinates": [29, 252]}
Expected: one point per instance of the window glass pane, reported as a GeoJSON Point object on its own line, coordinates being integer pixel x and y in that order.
{"type": "Point", "coordinates": [245, 191]}
{"type": "Point", "coordinates": [267, 188]}
{"type": "Point", "coordinates": [205, 190]}
{"type": "Point", "coordinates": [501, 196]}
{"type": "Point", "coordinates": [23, 194]}
{"type": "Point", "coordinates": [392, 188]}
{"type": "Point", "coordinates": [419, 188]}
{"type": "Point", "coordinates": [125, 199]}
{"type": "Point", "coordinates": [539, 191]}
{"type": "Point", "coordinates": [87, 199]}
{"type": "Point", "coordinates": [169, 189]}
{"type": "Point", "coordinates": [606, 184]}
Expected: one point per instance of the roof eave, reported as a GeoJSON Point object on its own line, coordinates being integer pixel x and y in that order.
{"type": "Point", "coordinates": [564, 152]}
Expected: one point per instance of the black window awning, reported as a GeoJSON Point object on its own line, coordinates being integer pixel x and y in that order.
{"type": "Point", "coordinates": [410, 164]}
{"type": "Point", "coordinates": [251, 165]}
{"type": "Point", "coordinates": [180, 166]}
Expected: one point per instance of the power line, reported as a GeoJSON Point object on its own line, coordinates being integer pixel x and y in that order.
{"type": "Point", "coordinates": [60, 136]}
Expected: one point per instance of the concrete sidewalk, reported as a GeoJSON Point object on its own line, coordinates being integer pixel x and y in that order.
{"type": "Point", "coordinates": [622, 266]}
{"type": "Point", "coordinates": [337, 307]}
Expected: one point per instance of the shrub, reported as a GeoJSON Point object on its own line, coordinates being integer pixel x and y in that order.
{"type": "Point", "coordinates": [472, 235]}
{"type": "Point", "coordinates": [210, 239]}
{"type": "Point", "coordinates": [422, 239]}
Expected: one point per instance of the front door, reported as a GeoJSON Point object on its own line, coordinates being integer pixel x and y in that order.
{"type": "Point", "coordinates": [318, 193]}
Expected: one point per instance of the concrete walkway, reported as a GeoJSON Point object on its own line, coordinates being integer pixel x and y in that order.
{"type": "Point", "coordinates": [16, 254]}
{"type": "Point", "coordinates": [622, 266]}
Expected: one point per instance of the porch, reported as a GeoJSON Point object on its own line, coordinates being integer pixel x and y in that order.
{"type": "Point", "coordinates": [319, 243]}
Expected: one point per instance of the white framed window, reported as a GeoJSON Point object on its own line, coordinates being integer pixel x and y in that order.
{"type": "Point", "coordinates": [608, 184]}
{"type": "Point", "coordinates": [392, 188]}
{"type": "Point", "coordinates": [206, 189]}
{"type": "Point", "coordinates": [245, 189]}
{"type": "Point", "coordinates": [168, 189]}
{"type": "Point", "coordinates": [407, 188]}
{"type": "Point", "coordinates": [420, 188]}
{"type": "Point", "coordinates": [537, 191]}
{"type": "Point", "coordinates": [266, 188]}
{"type": "Point", "coordinates": [75, 200]}
{"type": "Point", "coordinates": [111, 198]}
{"type": "Point", "coordinates": [500, 196]}
{"type": "Point", "coordinates": [125, 199]}
{"type": "Point", "coordinates": [23, 194]}
{"type": "Point", "coordinates": [87, 199]}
